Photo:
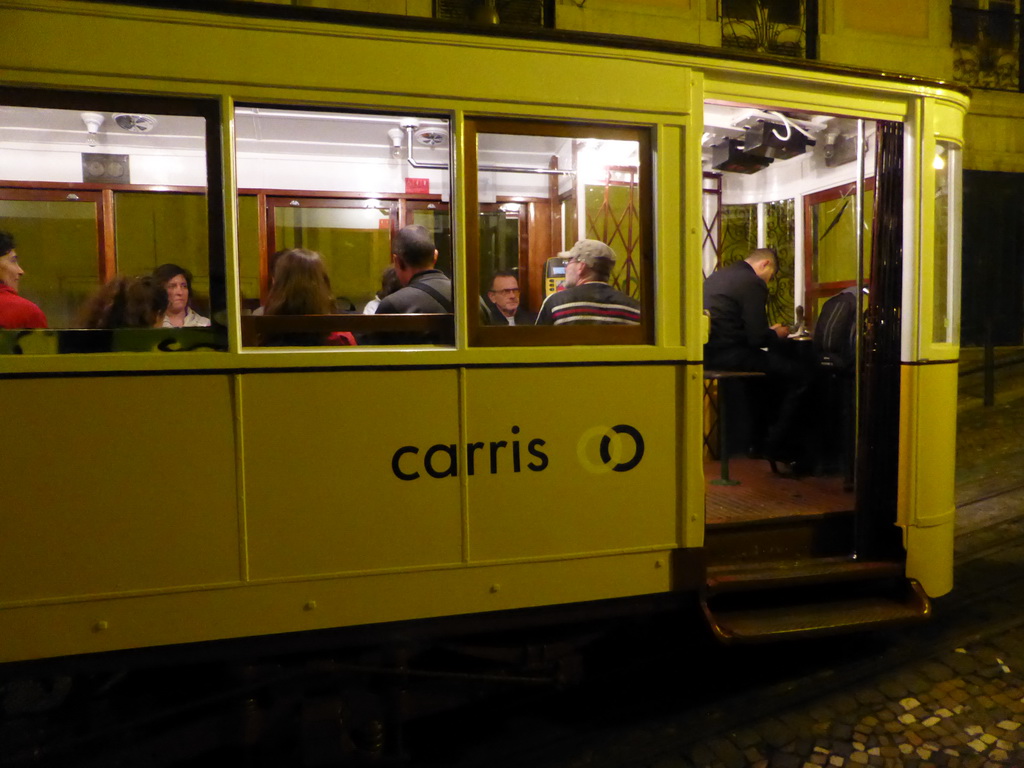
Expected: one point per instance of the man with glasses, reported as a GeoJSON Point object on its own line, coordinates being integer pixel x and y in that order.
{"type": "Point", "coordinates": [504, 307]}
{"type": "Point", "coordinates": [735, 298]}
{"type": "Point", "coordinates": [588, 299]}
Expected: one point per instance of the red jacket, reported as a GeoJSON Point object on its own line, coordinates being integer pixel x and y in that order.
{"type": "Point", "coordinates": [16, 312]}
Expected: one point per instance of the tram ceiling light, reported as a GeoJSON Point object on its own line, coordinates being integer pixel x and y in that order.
{"type": "Point", "coordinates": [93, 121]}
{"type": "Point", "coordinates": [395, 135]}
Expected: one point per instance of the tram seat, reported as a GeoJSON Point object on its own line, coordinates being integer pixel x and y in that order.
{"type": "Point", "coordinates": [716, 383]}
{"type": "Point", "coordinates": [836, 414]}
{"type": "Point", "coordinates": [256, 326]}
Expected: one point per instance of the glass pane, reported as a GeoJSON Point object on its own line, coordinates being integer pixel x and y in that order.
{"type": "Point", "coordinates": [57, 247]}
{"type": "Point", "coordinates": [499, 242]}
{"type": "Point", "coordinates": [436, 219]}
{"type": "Point", "coordinates": [249, 252]}
{"type": "Point", "coordinates": [338, 184]}
{"type": "Point", "coordinates": [947, 242]}
{"type": "Point", "coordinates": [834, 259]}
{"type": "Point", "coordinates": [524, 182]}
{"type": "Point", "coordinates": [155, 228]}
{"type": "Point", "coordinates": [355, 244]}
{"type": "Point", "coordinates": [85, 259]}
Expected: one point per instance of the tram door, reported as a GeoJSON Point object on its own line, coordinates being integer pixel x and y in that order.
{"type": "Point", "coordinates": [789, 181]}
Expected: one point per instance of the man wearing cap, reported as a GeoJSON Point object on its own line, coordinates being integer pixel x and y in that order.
{"type": "Point", "coordinates": [588, 299]}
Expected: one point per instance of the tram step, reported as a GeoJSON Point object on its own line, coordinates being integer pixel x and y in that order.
{"type": "Point", "coordinates": [786, 573]}
{"type": "Point", "coordinates": [790, 606]}
{"type": "Point", "coordinates": [779, 622]}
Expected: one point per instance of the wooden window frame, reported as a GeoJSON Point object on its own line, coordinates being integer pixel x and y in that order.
{"type": "Point", "coordinates": [481, 335]}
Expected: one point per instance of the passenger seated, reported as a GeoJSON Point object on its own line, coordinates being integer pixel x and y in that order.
{"type": "Point", "coordinates": [588, 299]}
{"type": "Point", "coordinates": [503, 299]}
{"type": "Point", "coordinates": [178, 283]}
{"type": "Point", "coordinates": [15, 311]}
{"type": "Point", "coordinates": [424, 288]}
{"type": "Point", "coordinates": [388, 285]}
{"type": "Point", "coordinates": [302, 287]}
{"type": "Point", "coordinates": [741, 340]}
{"type": "Point", "coordinates": [126, 302]}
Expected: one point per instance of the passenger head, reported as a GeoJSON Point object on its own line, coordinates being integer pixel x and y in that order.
{"type": "Point", "coordinates": [178, 282]}
{"type": "Point", "coordinates": [504, 292]}
{"type": "Point", "coordinates": [10, 271]}
{"type": "Point", "coordinates": [412, 251]}
{"type": "Point", "coordinates": [589, 261]}
{"type": "Point", "coordinates": [126, 302]}
{"type": "Point", "coordinates": [764, 263]}
{"type": "Point", "coordinates": [388, 283]}
{"type": "Point", "coordinates": [300, 285]}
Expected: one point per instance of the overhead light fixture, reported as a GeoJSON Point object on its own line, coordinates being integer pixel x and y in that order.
{"type": "Point", "coordinates": [93, 121]}
{"type": "Point", "coordinates": [396, 136]}
{"type": "Point", "coordinates": [939, 163]}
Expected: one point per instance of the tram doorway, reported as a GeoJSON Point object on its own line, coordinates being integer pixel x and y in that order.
{"type": "Point", "coordinates": [796, 183]}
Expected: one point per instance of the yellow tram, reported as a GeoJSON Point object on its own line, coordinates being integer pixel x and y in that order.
{"type": "Point", "coordinates": [173, 486]}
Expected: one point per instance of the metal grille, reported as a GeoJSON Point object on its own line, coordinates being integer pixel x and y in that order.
{"type": "Point", "coordinates": [524, 13]}
{"type": "Point", "coordinates": [986, 45]}
{"type": "Point", "coordinates": [770, 26]}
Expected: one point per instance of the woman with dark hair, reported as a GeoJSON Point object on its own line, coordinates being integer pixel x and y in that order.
{"type": "Point", "coordinates": [126, 302]}
{"type": "Point", "coordinates": [178, 283]}
{"type": "Point", "coordinates": [301, 287]}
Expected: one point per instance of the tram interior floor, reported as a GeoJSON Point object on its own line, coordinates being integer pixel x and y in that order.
{"type": "Point", "coordinates": [761, 495]}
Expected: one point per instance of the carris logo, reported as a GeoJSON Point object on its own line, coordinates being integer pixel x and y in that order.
{"type": "Point", "coordinates": [619, 449]}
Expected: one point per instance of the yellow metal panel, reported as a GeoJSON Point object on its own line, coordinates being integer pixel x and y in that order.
{"type": "Point", "coordinates": [243, 51]}
{"type": "Point", "coordinates": [321, 494]}
{"type": "Point", "coordinates": [568, 497]}
{"type": "Point", "coordinates": [115, 485]}
{"type": "Point", "coordinates": [105, 625]}
{"type": "Point", "coordinates": [926, 483]}
{"type": "Point", "coordinates": [930, 557]}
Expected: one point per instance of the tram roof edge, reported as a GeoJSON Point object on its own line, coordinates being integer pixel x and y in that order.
{"type": "Point", "coordinates": [260, 10]}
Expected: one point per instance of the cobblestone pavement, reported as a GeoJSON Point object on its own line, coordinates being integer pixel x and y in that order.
{"type": "Point", "coordinates": [949, 694]}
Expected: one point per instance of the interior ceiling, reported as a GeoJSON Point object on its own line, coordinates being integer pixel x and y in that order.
{"type": "Point", "coordinates": [263, 131]}
{"type": "Point", "coordinates": [722, 121]}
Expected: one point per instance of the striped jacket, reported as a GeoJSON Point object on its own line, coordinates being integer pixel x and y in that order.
{"type": "Point", "coordinates": [589, 304]}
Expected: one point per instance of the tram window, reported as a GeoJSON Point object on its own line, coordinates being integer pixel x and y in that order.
{"type": "Point", "coordinates": [945, 286]}
{"type": "Point", "coordinates": [540, 188]}
{"type": "Point", "coordinates": [102, 187]}
{"type": "Point", "coordinates": [340, 185]}
{"type": "Point", "coordinates": [831, 242]}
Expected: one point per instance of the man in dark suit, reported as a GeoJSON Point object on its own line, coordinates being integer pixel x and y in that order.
{"type": "Point", "coordinates": [503, 298]}
{"type": "Point", "coordinates": [741, 340]}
